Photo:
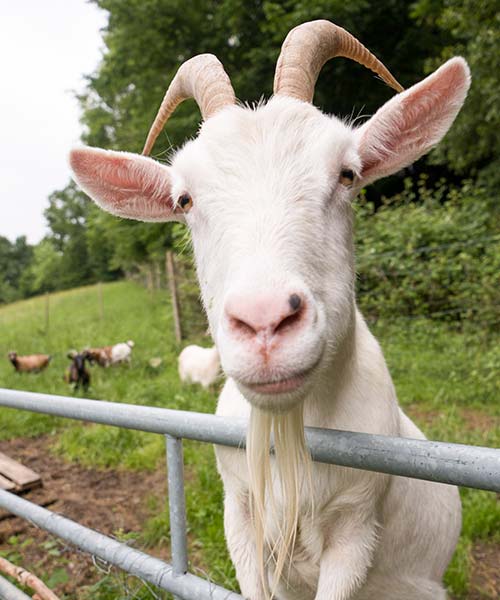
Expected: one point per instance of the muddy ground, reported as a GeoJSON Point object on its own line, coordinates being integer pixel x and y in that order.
{"type": "Point", "coordinates": [110, 501]}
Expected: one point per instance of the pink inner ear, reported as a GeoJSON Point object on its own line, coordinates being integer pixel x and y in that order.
{"type": "Point", "coordinates": [124, 184]}
{"type": "Point", "coordinates": [414, 121]}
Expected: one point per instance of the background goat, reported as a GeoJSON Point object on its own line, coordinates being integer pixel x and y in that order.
{"type": "Point", "coordinates": [110, 355]}
{"type": "Point", "coordinates": [122, 352]}
{"type": "Point", "coordinates": [267, 194]}
{"type": "Point", "coordinates": [32, 363]}
{"type": "Point", "coordinates": [199, 365]}
{"type": "Point", "coordinates": [77, 374]}
{"type": "Point", "coordinates": [101, 356]}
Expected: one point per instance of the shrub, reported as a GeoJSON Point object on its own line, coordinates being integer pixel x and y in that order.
{"type": "Point", "coordinates": [431, 251]}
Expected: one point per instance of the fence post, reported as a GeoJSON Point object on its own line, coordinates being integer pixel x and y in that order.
{"type": "Point", "coordinates": [101, 303]}
{"type": "Point", "coordinates": [173, 293]}
{"type": "Point", "coordinates": [177, 505]}
{"type": "Point", "coordinates": [47, 311]}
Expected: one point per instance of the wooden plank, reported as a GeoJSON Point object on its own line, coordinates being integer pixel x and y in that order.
{"type": "Point", "coordinates": [22, 476]}
{"type": "Point", "coordinates": [6, 484]}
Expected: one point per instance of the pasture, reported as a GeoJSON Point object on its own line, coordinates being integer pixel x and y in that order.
{"type": "Point", "coordinates": [447, 381]}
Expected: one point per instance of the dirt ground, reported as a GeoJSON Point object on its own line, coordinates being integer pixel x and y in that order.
{"type": "Point", "coordinates": [111, 501]}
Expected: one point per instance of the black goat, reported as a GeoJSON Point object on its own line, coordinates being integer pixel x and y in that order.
{"type": "Point", "coordinates": [76, 373]}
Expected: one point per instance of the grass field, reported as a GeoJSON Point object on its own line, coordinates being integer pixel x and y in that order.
{"type": "Point", "coordinates": [447, 381]}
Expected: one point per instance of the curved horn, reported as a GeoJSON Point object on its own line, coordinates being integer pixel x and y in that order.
{"type": "Point", "coordinates": [308, 47]}
{"type": "Point", "coordinates": [202, 78]}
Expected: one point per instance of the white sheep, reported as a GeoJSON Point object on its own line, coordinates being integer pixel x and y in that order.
{"type": "Point", "coordinates": [267, 194]}
{"type": "Point", "coordinates": [199, 365]}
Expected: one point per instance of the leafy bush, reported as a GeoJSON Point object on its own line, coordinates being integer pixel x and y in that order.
{"type": "Point", "coordinates": [429, 251]}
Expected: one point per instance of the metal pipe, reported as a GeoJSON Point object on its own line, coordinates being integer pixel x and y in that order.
{"type": "Point", "coordinates": [8, 591]}
{"type": "Point", "coordinates": [458, 464]}
{"type": "Point", "coordinates": [153, 570]}
{"type": "Point", "coordinates": [177, 505]}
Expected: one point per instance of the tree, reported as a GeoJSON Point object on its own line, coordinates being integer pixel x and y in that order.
{"type": "Point", "coordinates": [45, 269]}
{"type": "Point", "coordinates": [14, 258]}
{"type": "Point", "coordinates": [471, 29]}
{"type": "Point", "coordinates": [66, 218]}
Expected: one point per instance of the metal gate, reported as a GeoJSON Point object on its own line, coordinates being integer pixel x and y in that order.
{"type": "Point", "coordinates": [470, 466]}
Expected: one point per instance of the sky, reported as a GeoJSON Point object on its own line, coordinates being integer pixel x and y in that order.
{"type": "Point", "coordinates": [46, 47]}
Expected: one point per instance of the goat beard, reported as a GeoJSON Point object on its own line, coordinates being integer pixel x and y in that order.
{"type": "Point", "coordinates": [288, 472]}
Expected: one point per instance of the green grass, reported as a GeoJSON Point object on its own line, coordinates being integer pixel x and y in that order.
{"type": "Point", "coordinates": [446, 380]}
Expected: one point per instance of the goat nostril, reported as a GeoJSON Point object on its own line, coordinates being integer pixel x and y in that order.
{"type": "Point", "coordinates": [241, 326]}
{"type": "Point", "coordinates": [295, 302]}
{"type": "Point", "coordinates": [288, 322]}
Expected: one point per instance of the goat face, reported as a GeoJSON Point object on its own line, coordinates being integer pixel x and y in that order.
{"type": "Point", "coordinates": [272, 235]}
{"type": "Point", "coordinates": [267, 196]}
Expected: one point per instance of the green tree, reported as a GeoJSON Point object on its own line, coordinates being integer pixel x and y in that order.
{"type": "Point", "coordinates": [471, 29]}
{"type": "Point", "coordinates": [14, 258]}
{"type": "Point", "coordinates": [45, 269]}
{"type": "Point", "coordinates": [66, 218]}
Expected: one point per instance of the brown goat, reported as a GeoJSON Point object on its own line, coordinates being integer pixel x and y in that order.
{"type": "Point", "coordinates": [33, 363]}
{"type": "Point", "coordinates": [101, 356]}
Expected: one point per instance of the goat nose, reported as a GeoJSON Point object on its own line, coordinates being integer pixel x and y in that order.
{"type": "Point", "coordinates": [269, 314]}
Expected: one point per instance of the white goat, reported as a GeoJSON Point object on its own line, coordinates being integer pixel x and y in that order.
{"type": "Point", "coordinates": [267, 195]}
{"type": "Point", "coordinates": [199, 365]}
{"type": "Point", "coordinates": [122, 352]}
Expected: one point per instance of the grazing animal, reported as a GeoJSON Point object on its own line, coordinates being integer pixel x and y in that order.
{"type": "Point", "coordinates": [199, 365]}
{"type": "Point", "coordinates": [33, 363]}
{"type": "Point", "coordinates": [110, 355]}
{"type": "Point", "coordinates": [101, 356]}
{"type": "Point", "coordinates": [122, 352]}
{"type": "Point", "coordinates": [267, 194]}
{"type": "Point", "coordinates": [77, 374]}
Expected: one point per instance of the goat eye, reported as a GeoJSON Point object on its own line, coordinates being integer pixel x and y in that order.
{"type": "Point", "coordinates": [346, 177]}
{"type": "Point", "coordinates": [185, 202]}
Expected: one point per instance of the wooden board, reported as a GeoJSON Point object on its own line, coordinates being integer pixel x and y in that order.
{"type": "Point", "coordinates": [6, 484]}
{"type": "Point", "coordinates": [22, 477]}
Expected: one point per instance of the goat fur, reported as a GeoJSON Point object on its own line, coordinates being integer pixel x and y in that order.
{"type": "Point", "coordinates": [199, 365]}
{"type": "Point", "coordinates": [271, 214]}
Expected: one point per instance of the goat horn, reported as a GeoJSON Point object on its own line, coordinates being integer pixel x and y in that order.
{"type": "Point", "coordinates": [202, 78]}
{"type": "Point", "coordinates": [308, 47]}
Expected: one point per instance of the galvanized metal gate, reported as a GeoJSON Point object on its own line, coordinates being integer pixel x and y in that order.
{"type": "Point", "coordinates": [458, 464]}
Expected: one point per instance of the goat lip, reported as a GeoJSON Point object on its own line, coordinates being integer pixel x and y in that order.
{"type": "Point", "coordinates": [280, 386]}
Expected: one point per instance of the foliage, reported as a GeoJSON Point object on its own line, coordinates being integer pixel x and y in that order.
{"type": "Point", "coordinates": [14, 259]}
{"type": "Point", "coordinates": [471, 29]}
{"type": "Point", "coordinates": [45, 269]}
{"type": "Point", "coordinates": [429, 251]}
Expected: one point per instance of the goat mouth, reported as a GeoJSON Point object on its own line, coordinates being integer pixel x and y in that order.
{"type": "Point", "coordinates": [279, 386]}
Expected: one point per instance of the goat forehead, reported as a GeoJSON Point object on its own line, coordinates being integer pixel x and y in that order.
{"type": "Point", "coordinates": [285, 147]}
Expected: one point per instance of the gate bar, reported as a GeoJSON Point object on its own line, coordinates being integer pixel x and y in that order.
{"type": "Point", "coordinates": [8, 591]}
{"type": "Point", "coordinates": [177, 505]}
{"type": "Point", "coordinates": [458, 464]}
{"type": "Point", "coordinates": [153, 570]}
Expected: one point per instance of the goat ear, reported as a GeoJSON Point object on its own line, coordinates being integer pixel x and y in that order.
{"type": "Point", "coordinates": [412, 122]}
{"type": "Point", "coordinates": [124, 184]}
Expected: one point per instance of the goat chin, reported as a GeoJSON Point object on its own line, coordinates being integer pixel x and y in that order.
{"type": "Point", "coordinates": [289, 470]}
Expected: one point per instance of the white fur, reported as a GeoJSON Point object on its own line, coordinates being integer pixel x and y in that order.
{"type": "Point", "coordinates": [270, 213]}
{"type": "Point", "coordinates": [199, 365]}
{"type": "Point", "coordinates": [122, 352]}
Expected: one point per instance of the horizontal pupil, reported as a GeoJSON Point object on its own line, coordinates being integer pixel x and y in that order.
{"type": "Point", "coordinates": [347, 174]}
{"type": "Point", "coordinates": [184, 200]}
